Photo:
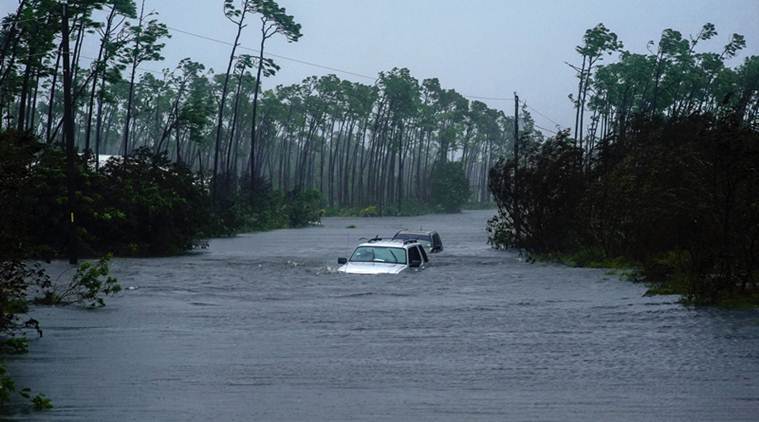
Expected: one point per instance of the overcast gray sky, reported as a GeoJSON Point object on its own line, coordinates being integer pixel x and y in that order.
{"type": "Point", "coordinates": [487, 48]}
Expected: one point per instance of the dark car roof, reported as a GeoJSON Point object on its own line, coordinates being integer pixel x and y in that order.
{"type": "Point", "coordinates": [427, 233]}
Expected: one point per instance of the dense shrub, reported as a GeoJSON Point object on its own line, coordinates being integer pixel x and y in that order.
{"type": "Point", "coordinates": [303, 208]}
{"type": "Point", "coordinates": [679, 198]}
{"type": "Point", "coordinates": [145, 205]}
{"type": "Point", "coordinates": [449, 186]}
{"type": "Point", "coordinates": [28, 212]}
{"type": "Point", "coordinates": [150, 206]}
{"type": "Point", "coordinates": [548, 188]}
{"type": "Point", "coordinates": [17, 281]}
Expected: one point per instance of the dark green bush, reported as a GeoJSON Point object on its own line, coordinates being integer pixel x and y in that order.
{"type": "Point", "coordinates": [150, 206]}
{"type": "Point", "coordinates": [449, 186]}
{"type": "Point", "coordinates": [680, 199]}
{"type": "Point", "coordinates": [304, 208]}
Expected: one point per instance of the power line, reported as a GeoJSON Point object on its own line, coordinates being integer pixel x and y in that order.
{"type": "Point", "coordinates": [144, 69]}
{"type": "Point", "coordinates": [475, 97]}
{"type": "Point", "coordinates": [279, 56]}
{"type": "Point", "coordinates": [292, 59]}
{"type": "Point", "coordinates": [542, 114]}
{"type": "Point", "coordinates": [547, 130]}
{"type": "Point", "coordinates": [308, 63]}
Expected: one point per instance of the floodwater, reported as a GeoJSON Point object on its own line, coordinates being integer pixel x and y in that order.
{"type": "Point", "coordinates": [260, 327]}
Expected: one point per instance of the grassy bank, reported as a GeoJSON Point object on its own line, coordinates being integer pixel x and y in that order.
{"type": "Point", "coordinates": [663, 276]}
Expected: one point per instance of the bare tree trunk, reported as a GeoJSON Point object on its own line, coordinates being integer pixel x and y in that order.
{"type": "Point", "coordinates": [33, 110]}
{"type": "Point", "coordinates": [223, 100]}
{"type": "Point", "coordinates": [255, 110]}
{"type": "Point", "coordinates": [21, 117]}
{"type": "Point", "coordinates": [135, 60]}
{"type": "Point", "coordinates": [103, 47]}
{"type": "Point", "coordinates": [577, 100]}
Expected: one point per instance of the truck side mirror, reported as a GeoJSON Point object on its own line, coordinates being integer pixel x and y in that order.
{"type": "Point", "coordinates": [342, 261]}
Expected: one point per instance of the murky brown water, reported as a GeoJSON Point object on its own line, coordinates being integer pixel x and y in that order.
{"type": "Point", "coordinates": [259, 327]}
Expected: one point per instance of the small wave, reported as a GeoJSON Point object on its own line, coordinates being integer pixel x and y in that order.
{"type": "Point", "coordinates": [355, 295]}
{"type": "Point", "coordinates": [326, 270]}
{"type": "Point", "coordinates": [202, 304]}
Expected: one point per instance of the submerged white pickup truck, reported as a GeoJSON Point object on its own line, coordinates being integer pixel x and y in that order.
{"type": "Point", "coordinates": [379, 256]}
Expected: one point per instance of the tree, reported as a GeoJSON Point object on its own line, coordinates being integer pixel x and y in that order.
{"type": "Point", "coordinates": [106, 52]}
{"type": "Point", "coordinates": [450, 187]}
{"type": "Point", "coordinates": [146, 46]}
{"type": "Point", "coordinates": [274, 20]}
{"type": "Point", "coordinates": [669, 181]}
{"type": "Point", "coordinates": [597, 42]}
{"type": "Point", "coordinates": [237, 16]}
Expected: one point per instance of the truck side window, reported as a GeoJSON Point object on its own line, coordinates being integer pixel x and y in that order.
{"type": "Point", "coordinates": [424, 254]}
{"type": "Point", "coordinates": [413, 254]}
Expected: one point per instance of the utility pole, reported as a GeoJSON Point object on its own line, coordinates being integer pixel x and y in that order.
{"type": "Point", "coordinates": [68, 133]}
{"type": "Point", "coordinates": [515, 196]}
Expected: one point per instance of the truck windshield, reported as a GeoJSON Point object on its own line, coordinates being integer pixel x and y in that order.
{"type": "Point", "coordinates": [379, 254]}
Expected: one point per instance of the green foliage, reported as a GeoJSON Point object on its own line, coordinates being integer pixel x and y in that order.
{"type": "Point", "coordinates": [150, 206]}
{"type": "Point", "coordinates": [14, 346]}
{"type": "Point", "coordinates": [674, 80]}
{"type": "Point", "coordinates": [8, 388]}
{"type": "Point", "coordinates": [268, 210]}
{"type": "Point", "coordinates": [677, 199]}
{"type": "Point", "coordinates": [146, 205]}
{"type": "Point", "coordinates": [549, 191]}
{"type": "Point", "coordinates": [16, 280]}
{"type": "Point", "coordinates": [370, 211]}
{"type": "Point", "coordinates": [144, 41]}
{"type": "Point", "coordinates": [303, 208]}
{"type": "Point", "coordinates": [18, 175]}
{"type": "Point", "coordinates": [89, 286]}
{"type": "Point", "coordinates": [40, 402]}
{"type": "Point", "coordinates": [450, 187]}
{"type": "Point", "coordinates": [275, 20]}
{"type": "Point", "coordinates": [7, 385]}
{"type": "Point", "coordinates": [664, 178]}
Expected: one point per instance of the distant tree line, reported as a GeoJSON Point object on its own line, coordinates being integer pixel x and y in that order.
{"type": "Point", "coordinates": [661, 170]}
{"type": "Point", "coordinates": [356, 144]}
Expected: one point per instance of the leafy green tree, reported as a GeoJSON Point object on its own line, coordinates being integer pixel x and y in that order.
{"type": "Point", "coordinates": [236, 15]}
{"type": "Point", "coordinates": [146, 46]}
{"type": "Point", "coordinates": [668, 181]}
{"type": "Point", "coordinates": [450, 187]}
{"type": "Point", "coordinates": [109, 47]}
{"type": "Point", "coordinates": [597, 42]}
{"type": "Point", "coordinates": [274, 20]}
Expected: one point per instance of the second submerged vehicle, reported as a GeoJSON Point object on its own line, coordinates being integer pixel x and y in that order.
{"type": "Point", "coordinates": [429, 239]}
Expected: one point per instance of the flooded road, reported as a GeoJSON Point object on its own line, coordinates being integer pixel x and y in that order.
{"type": "Point", "coordinates": [259, 327]}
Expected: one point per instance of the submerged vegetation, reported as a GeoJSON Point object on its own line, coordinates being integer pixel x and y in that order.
{"type": "Point", "coordinates": [665, 178]}
{"type": "Point", "coordinates": [23, 284]}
